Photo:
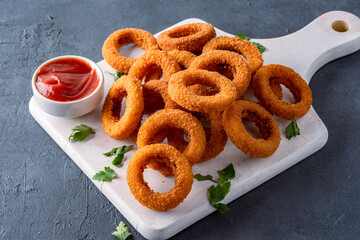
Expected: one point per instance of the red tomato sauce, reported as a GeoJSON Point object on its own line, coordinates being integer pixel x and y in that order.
{"type": "Point", "coordinates": [66, 80]}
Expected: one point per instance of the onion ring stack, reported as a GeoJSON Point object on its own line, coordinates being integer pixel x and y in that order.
{"type": "Point", "coordinates": [179, 89]}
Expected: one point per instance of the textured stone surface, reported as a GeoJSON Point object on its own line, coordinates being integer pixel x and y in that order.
{"type": "Point", "coordinates": [44, 195]}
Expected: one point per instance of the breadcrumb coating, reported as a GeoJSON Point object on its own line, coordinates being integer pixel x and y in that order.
{"type": "Point", "coordinates": [278, 74]}
{"type": "Point", "coordinates": [116, 126]}
{"type": "Point", "coordinates": [239, 68]}
{"type": "Point", "coordinates": [122, 37]}
{"type": "Point", "coordinates": [184, 58]}
{"type": "Point", "coordinates": [182, 95]}
{"type": "Point", "coordinates": [236, 131]}
{"type": "Point", "coordinates": [250, 52]}
{"type": "Point", "coordinates": [189, 37]}
{"type": "Point", "coordinates": [140, 188]}
{"type": "Point", "coordinates": [174, 118]}
{"type": "Point", "coordinates": [146, 63]}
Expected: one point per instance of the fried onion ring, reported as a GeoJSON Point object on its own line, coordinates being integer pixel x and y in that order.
{"type": "Point", "coordinates": [203, 90]}
{"type": "Point", "coordinates": [141, 190]}
{"type": "Point", "coordinates": [235, 130]}
{"type": "Point", "coordinates": [184, 58]}
{"type": "Point", "coordinates": [122, 37]}
{"type": "Point", "coordinates": [216, 137]}
{"type": "Point", "coordinates": [146, 63]}
{"type": "Point", "coordinates": [174, 118]}
{"type": "Point", "coordinates": [189, 37]}
{"type": "Point", "coordinates": [279, 74]}
{"type": "Point", "coordinates": [182, 95]}
{"type": "Point", "coordinates": [156, 97]}
{"type": "Point", "coordinates": [240, 69]}
{"type": "Point", "coordinates": [121, 127]}
{"type": "Point", "coordinates": [250, 52]}
{"type": "Point", "coordinates": [276, 88]}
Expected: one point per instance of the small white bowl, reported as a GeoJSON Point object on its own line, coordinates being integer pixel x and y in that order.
{"type": "Point", "coordinates": [74, 108]}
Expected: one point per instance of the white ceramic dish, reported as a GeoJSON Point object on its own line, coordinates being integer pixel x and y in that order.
{"type": "Point", "coordinates": [75, 108]}
{"type": "Point", "coordinates": [305, 51]}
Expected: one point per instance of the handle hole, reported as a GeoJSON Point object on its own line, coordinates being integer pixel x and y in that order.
{"type": "Point", "coordinates": [340, 26]}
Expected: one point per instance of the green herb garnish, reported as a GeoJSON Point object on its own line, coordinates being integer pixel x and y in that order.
{"type": "Point", "coordinates": [227, 173]}
{"type": "Point", "coordinates": [200, 177]}
{"type": "Point", "coordinates": [119, 154]}
{"type": "Point", "coordinates": [292, 130]}
{"type": "Point", "coordinates": [79, 133]}
{"type": "Point", "coordinates": [258, 45]}
{"type": "Point", "coordinates": [242, 36]}
{"type": "Point", "coordinates": [222, 208]}
{"type": "Point", "coordinates": [106, 176]}
{"type": "Point", "coordinates": [122, 231]}
{"type": "Point", "coordinates": [217, 193]}
{"type": "Point", "coordinates": [116, 75]}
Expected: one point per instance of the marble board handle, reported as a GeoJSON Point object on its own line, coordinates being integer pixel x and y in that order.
{"type": "Point", "coordinates": [330, 36]}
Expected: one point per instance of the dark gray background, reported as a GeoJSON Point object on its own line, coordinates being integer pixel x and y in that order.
{"type": "Point", "coordinates": [44, 195]}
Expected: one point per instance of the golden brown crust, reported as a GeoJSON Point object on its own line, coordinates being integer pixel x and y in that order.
{"type": "Point", "coordinates": [250, 52]}
{"type": "Point", "coordinates": [184, 58]}
{"type": "Point", "coordinates": [216, 137]}
{"type": "Point", "coordinates": [235, 130]}
{"type": "Point", "coordinates": [279, 74]}
{"type": "Point", "coordinates": [122, 37]}
{"type": "Point", "coordinates": [156, 96]}
{"type": "Point", "coordinates": [121, 127]}
{"type": "Point", "coordinates": [240, 69]}
{"type": "Point", "coordinates": [146, 63]}
{"type": "Point", "coordinates": [189, 37]}
{"type": "Point", "coordinates": [141, 190]}
{"type": "Point", "coordinates": [182, 95]}
{"type": "Point", "coordinates": [174, 118]}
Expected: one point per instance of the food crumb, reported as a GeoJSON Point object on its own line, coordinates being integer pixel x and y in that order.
{"type": "Point", "coordinates": [39, 233]}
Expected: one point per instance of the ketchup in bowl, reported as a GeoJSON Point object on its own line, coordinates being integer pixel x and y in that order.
{"type": "Point", "coordinates": [66, 79]}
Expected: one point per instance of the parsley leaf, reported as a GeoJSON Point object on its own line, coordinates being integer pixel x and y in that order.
{"type": "Point", "coordinates": [222, 208]}
{"type": "Point", "coordinates": [106, 176]}
{"type": "Point", "coordinates": [218, 193]}
{"type": "Point", "coordinates": [122, 232]}
{"type": "Point", "coordinates": [227, 173]}
{"type": "Point", "coordinates": [119, 154]}
{"type": "Point", "coordinates": [200, 177]}
{"type": "Point", "coordinates": [292, 130]}
{"type": "Point", "coordinates": [117, 75]}
{"type": "Point", "coordinates": [258, 45]}
{"type": "Point", "coordinates": [79, 133]}
{"type": "Point", "coordinates": [242, 36]}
